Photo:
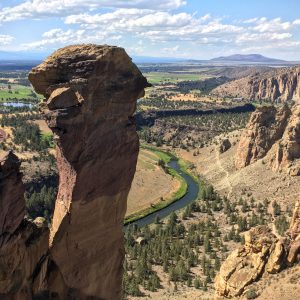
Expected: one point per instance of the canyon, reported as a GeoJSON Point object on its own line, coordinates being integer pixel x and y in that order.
{"type": "Point", "coordinates": [279, 85]}
{"type": "Point", "coordinates": [272, 135]}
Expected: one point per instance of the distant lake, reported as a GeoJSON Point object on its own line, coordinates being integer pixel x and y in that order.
{"type": "Point", "coordinates": [16, 104]}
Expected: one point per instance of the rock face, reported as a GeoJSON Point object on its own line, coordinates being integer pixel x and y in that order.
{"type": "Point", "coordinates": [224, 145]}
{"type": "Point", "coordinates": [12, 203]}
{"type": "Point", "coordinates": [279, 84]}
{"type": "Point", "coordinates": [22, 243]}
{"type": "Point", "coordinates": [285, 154]}
{"type": "Point", "coordinates": [294, 233]}
{"type": "Point", "coordinates": [262, 252]}
{"type": "Point", "coordinates": [273, 133]}
{"type": "Point", "coordinates": [91, 94]}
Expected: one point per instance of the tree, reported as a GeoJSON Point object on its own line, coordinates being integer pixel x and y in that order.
{"type": "Point", "coordinates": [197, 283]}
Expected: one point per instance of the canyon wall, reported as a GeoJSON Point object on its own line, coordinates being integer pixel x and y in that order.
{"type": "Point", "coordinates": [279, 84]}
{"type": "Point", "coordinates": [91, 93]}
{"type": "Point", "coordinates": [273, 134]}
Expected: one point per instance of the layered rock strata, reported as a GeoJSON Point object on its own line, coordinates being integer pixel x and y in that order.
{"type": "Point", "coordinates": [274, 134]}
{"type": "Point", "coordinates": [91, 93]}
{"type": "Point", "coordinates": [276, 85]}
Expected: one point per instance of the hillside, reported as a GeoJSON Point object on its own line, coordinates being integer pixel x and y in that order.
{"type": "Point", "coordinates": [279, 84]}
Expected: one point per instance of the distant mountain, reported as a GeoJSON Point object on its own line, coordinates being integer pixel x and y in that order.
{"type": "Point", "coordinates": [248, 58]}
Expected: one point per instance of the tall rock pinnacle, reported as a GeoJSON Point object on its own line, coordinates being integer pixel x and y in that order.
{"type": "Point", "coordinates": [91, 93]}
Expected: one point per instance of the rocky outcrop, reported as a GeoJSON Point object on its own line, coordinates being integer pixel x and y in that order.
{"type": "Point", "coordinates": [294, 233]}
{"type": "Point", "coordinates": [262, 252]}
{"type": "Point", "coordinates": [12, 203]}
{"type": "Point", "coordinates": [23, 244]}
{"type": "Point", "coordinates": [274, 134]}
{"type": "Point", "coordinates": [276, 85]}
{"type": "Point", "coordinates": [91, 94]}
{"type": "Point", "coordinates": [266, 126]}
{"type": "Point", "coordinates": [285, 154]}
{"type": "Point", "coordinates": [224, 145]}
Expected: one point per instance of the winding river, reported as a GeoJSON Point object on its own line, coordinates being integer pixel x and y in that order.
{"type": "Point", "coordinates": [190, 196]}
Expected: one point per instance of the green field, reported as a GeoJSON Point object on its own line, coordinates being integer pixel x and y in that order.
{"type": "Point", "coordinates": [17, 92]}
{"type": "Point", "coordinates": [164, 77]}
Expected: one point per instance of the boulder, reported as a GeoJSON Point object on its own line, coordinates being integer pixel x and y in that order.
{"type": "Point", "coordinates": [224, 145]}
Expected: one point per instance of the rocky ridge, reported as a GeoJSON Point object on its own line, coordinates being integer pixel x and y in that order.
{"type": "Point", "coordinates": [279, 84]}
{"type": "Point", "coordinates": [91, 94]}
{"type": "Point", "coordinates": [274, 134]}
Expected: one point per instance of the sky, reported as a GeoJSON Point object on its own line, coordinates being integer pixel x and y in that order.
{"type": "Point", "coordinates": [194, 29]}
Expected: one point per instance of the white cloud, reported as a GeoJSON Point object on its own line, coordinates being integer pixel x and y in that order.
{"type": "Point", "coordinates": [57, 37]}
{"type": "Point", "coordinates": [262, 37]}
{"type": "Point", "coordinates": [274, 25]}
{"type": "Point", "coordinates": [130, 19]}
{"type": "Point", "coordinates": [296, 22]}
{"type": "Point", "coordinates": [5, 39]}
{"type": "Point", "coordinates": [48, 8]}
{"type": "Point", "coordinates": [171, 50]}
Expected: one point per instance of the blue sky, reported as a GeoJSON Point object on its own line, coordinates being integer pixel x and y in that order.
{"type": "Point", "coordinates": [199, 29]}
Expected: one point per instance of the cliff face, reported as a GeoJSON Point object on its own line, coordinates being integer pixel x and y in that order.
{"type": "Point", "coordinates": [282, 84]}
{"type": "Point", "coordinates": [273, 133]}
{"type": "Point", "coordinates": [23, 244]}
{"type": "Point", "coordinates": [91, 94]}
{"type": "Point", "coordinates": [12, 203]}
{"type": "Point", "coordinates": [263, 252]}
{"type": "Point", "coordinates": [285, 154]}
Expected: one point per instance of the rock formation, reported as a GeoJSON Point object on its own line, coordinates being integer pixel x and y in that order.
{"type": "Point", "coordinates": [23, 244]}
{"type": "Point", "coordinates": [91, 94]}
{"type": "Point", "coordinates": [279, 84]}
{"type": "Point", "coordinates": [274, 134]}
{"type": "Point", "coordinates": [224, 145]}
{"type": "Point", "coordinates": [262, 252]}
{"type": "Point", "coordinates": [12, 203]}
{"type": "Point", "coordinates": [294, 233]}
{"type": "Point", "coordinates": [285, 154]}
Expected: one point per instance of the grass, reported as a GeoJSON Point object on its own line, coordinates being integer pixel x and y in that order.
{"type": "Point", "coordinates": [160, 77]}
{"type": "Point", "coordinates": [49, 138]}
{"type": "Point", "coordinates": [165, 157]}
{"type": "Point", "coordinates": [17, 92]}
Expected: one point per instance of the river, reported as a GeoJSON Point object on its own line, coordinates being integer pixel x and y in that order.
{"type": "Point", "coordinates": [190, 196]}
